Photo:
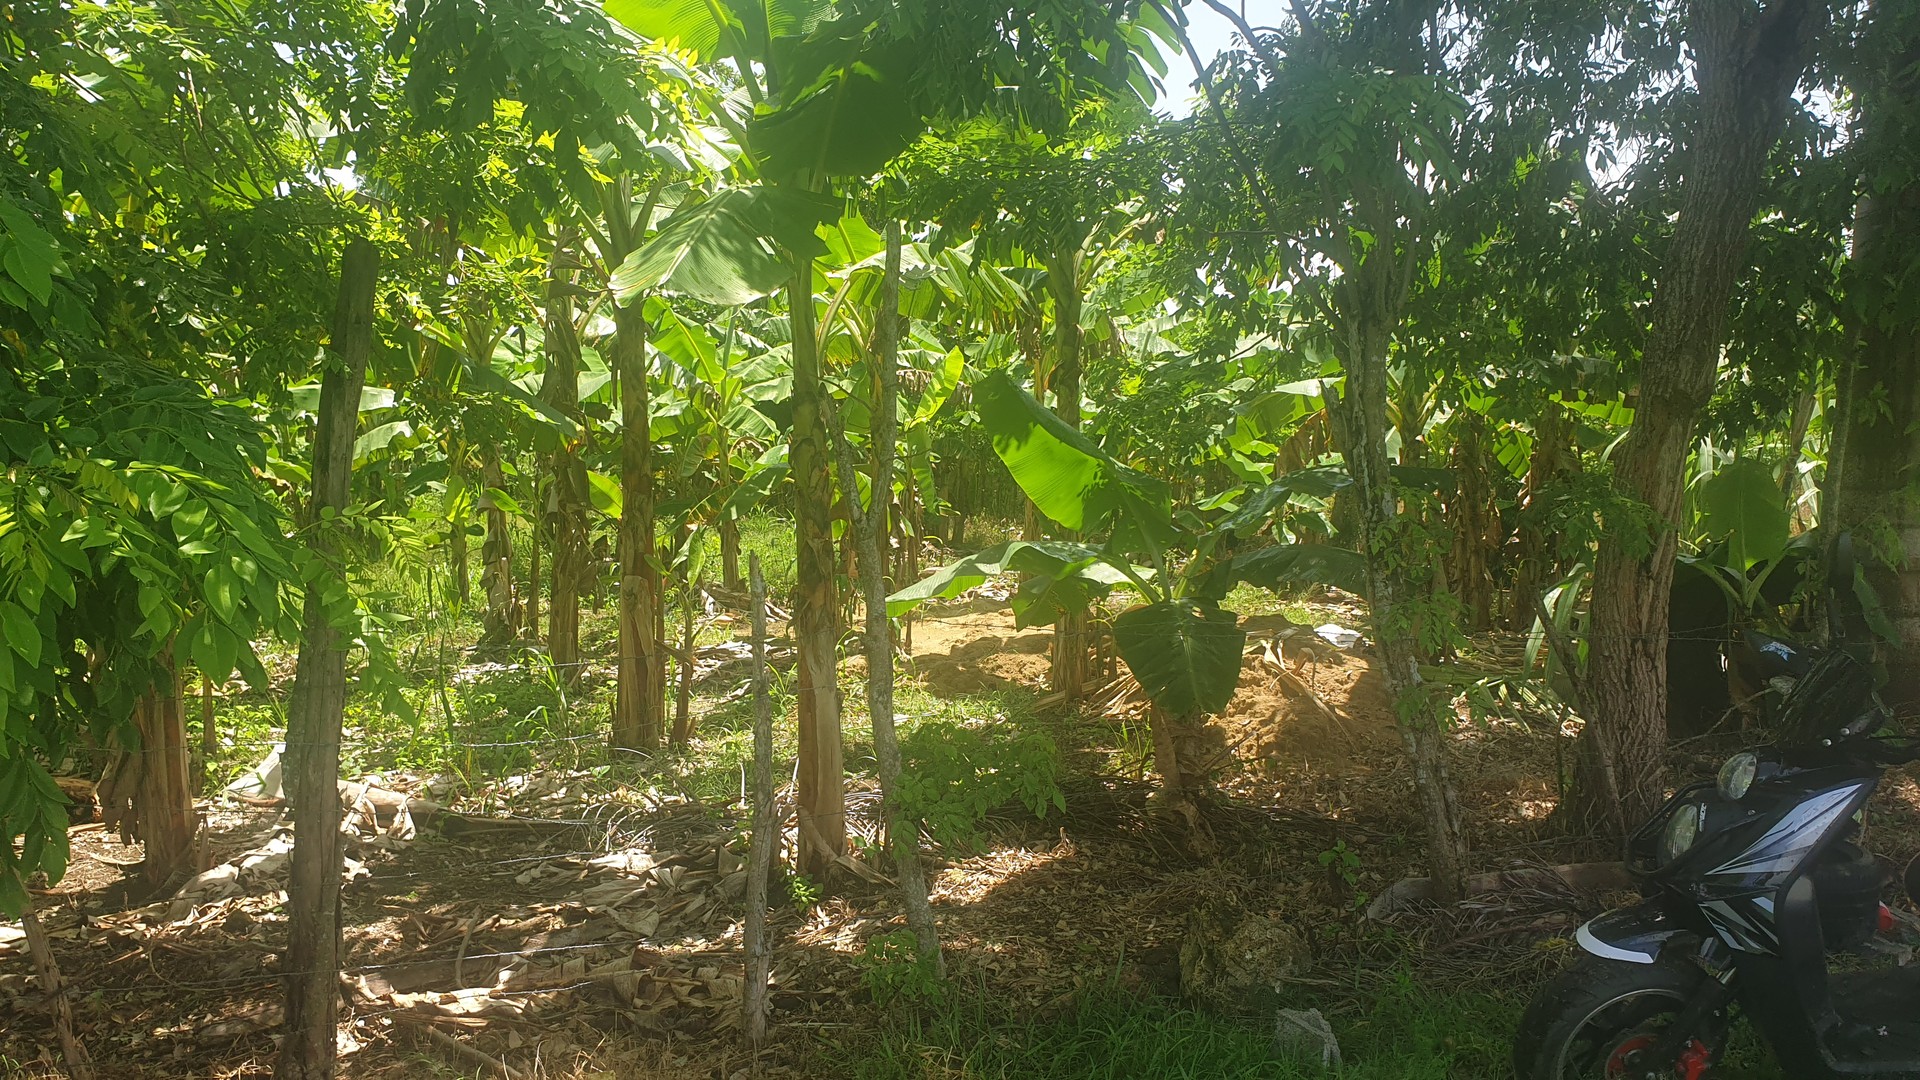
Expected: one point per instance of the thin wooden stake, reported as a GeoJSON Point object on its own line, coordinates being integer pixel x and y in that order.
{"type": "Point", "coordinates": [760, 856]}
{"type": "Point", "coordinates": [79, 1065]}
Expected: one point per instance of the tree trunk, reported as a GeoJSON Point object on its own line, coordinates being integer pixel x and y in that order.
{"type": "Point", "coordinates": [816, 613]}
{"type": "Point", "coordinates": [319, 697]}
{"type": "Point", "coordinates": [1475, 519]}
{"type": "Point", "coordinates": [639, 704]}
{"type": "Point", "coordinates": [209, 730]}
{"type": "Point", "coordinates": [1746, 64]}
{"type": "Point", "coordinates": [1068, 677]}
{"type": "Point", "coordinates": [683, 695]}
{"type": "Point", "coordinates": [729, 530]}
{"type": "Point", "coordinates": [903, 833]}
{"type": "Point", "coordinates": [537, 529]}
{"type": "Point", "coordinates": [1534, 562]}
{"type": "Point", "coordinates": [1877, 441]}
{"type": "Point", "coordinates": [499, 626]}
{"type": "Point", "coordinates": [560, 388]}
{"type": "Point", "coordinates": [1360, 418]}
{"type": "Point", "coordinates": [765, 826]}
{"type": "Point", "coordinates": [147, 794]}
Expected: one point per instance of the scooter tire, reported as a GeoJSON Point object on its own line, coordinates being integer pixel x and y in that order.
{"type": "Point", "coordinates": [1566, 1005]}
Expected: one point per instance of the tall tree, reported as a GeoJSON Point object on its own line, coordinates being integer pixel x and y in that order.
{"type": "Point", "coordinates": [1747, 60]}
{"type": "Point", "coordinates": [1870, 478]}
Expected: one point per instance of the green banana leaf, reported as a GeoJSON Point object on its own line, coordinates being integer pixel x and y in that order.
{"type": "Point", "coordinates": [1185, 654]}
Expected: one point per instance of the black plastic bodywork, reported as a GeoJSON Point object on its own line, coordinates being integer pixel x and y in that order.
{"type": "Point", "coordinates": [1746, 893]}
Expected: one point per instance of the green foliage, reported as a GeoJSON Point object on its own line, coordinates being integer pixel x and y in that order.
{"type": "Point", "coordinates": [131, 542]}
{"type": "Point", "coordinates": [954, 774]}
{"type": "Point", "coordinates": [893, 969]}
{"type": "Point", "coordinates": [1070, 479]}
{"type": "Point", "coordinates": [1186, 655]}
{"type": "Point", "coordinates": [1741, 505]}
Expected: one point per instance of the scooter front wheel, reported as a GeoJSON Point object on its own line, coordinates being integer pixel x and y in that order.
{"type": "Point", "coordinates": [1600, 1018]}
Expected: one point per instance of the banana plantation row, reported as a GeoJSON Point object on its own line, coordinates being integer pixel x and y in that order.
{"type": "Point", "coordinates": [1506, 316]}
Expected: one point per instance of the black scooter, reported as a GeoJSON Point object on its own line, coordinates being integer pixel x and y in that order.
{"type": "Point", "coordinates": [1750, 883]}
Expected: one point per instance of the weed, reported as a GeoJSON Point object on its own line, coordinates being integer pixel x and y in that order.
{"type": "Point", "coordinates": [893, 968]}
{"type": "Point", "coordinates": [955, 775]}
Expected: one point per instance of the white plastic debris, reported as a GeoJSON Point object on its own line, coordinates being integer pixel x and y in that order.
{"type": "Point", "coordinates": [1306, 1037]}
{"type": "Point", "coordinates": [263, 780]}
{"type": "Point", "coordinates": [1338, 636]}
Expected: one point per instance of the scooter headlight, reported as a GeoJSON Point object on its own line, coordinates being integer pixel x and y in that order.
{"type": "Point", "coordinates": [1682, 831]}
{"type": "Point", "coordinates": [1736, 776]}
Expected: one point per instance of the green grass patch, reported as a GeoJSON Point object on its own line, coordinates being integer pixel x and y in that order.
{"type": "Point", "coordinates": [1413, 1034]}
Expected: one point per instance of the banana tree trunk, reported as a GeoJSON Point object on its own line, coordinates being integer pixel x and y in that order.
{"type": "Point", "coordinates": [822, 793]}
{"type": "Point", "coordinates": [1475, 519]}
{"type": "Point", "coordinates": [639, 703]}
{"type": "Point", "coordinates": [560, 388]}
{"type": "Point", "coordinates": [729, 530]}
{"type": "Point", "coordinates": [499, 626]}
{"type": "Point", "coordinates": [318, 702]}
{"type": "Point", "coordinates": [147, 792]}
{"type": "Point", "coordinates": [1747, 64]}
{"type": "Point", "coordinates": [1554, 456]}
{"type": "Point", "coordinates": [1068, 677]}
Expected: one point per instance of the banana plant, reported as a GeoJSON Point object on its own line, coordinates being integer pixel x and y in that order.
{"type": "Point", "coordinates": [1177, 640]}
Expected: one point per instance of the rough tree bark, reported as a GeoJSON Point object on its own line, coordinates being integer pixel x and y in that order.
{"type": "Point", "coordinates": [147, 791]}
{"type": "Point", "coordinates": [560, 388]}
{"type": "Point", "coordinates": [1747, 59]}
{"type": "Point", "coordinates": [1877, 438]}
{"type": "Point", "coordinates": [1069, 674]}
{"type": "Point", "coordinates": [1359, 416]}
{"type": "Point", "coordinates": [639, 705]}
{"type": "Point", "coordinates": [822, 793]}
{"type": "Point", "coordinates": [765, 825]}
{"type": "Point", "coordinates": [319, 698]}
{"type": "Point", "coordinates": [903, 833]}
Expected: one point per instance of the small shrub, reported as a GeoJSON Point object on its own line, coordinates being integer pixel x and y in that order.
{"type": "Point", "coordinates": [892, 967]}
{"type": "Point", "coordinates": [955, 775]}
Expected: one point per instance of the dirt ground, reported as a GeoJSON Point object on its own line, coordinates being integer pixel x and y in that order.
{"type": "Point", "coordinates": [568, 927]}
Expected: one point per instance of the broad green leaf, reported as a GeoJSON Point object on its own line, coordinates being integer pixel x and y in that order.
{"type": "Point", "coordinates": [380, 438]}
{"type": "Point", "coordinates": [1186, 655]}
{"type": "Point", "coordinates": [771, 468]}
{"type": "Point", "coordinates": [1288, 565]}
{"type": "Point", "coordinates": [1069, 479]}
{"type": "Point", "coordinates": [1742, 504]}
{"type": "Point", "coordinates": [604, 492]}
{"type": "Point", "coordinates": [727, 250]}
{"type": "Point", "coordinates": [694, 26]}
{"type": "Point", "coordinates": [1321, 482]}
{"type": "Point", "coordinates": [212, 647]}
{"type": "Point", "coordinates": [32, 255]}
{"type": "Point", "coordinates": [1048, 558]}
{"type": "Point", "coordinates": [850, 240]}
{"type": "Point", "coordinates": [223, 592]}
{"type": "Point", "coordinates": [858, 117]}
{"type": "Point", "coordinates": [946, 379]}
{"type": "Point", "coordinates": [306, 398]}
{"type": "Point", "coordinates": [23, 635]}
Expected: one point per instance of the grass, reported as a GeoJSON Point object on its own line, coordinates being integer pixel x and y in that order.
{"type": "Point", "coordinates": [1413, 1033]}
{"type": "Point", "coordinates": [509, 715]}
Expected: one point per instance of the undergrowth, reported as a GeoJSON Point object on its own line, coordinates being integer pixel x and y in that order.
{"type": "Point", "coordinates": [1413, 1034]}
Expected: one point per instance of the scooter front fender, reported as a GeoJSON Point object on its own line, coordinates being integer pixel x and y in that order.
{"type": "Point", "coordinates": [1635, 935]}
